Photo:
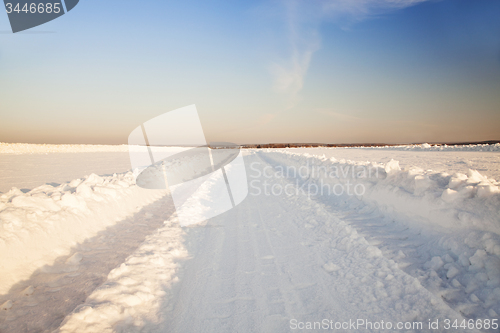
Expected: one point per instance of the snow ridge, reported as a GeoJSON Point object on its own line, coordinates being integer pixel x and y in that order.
{"type": "Point", "coordinates": [442, 229]}
{"type": "Point", "coordinates": [427, 147]}
{"type": "Point", "coordinates": [38, 226]}
{"type": "Point", "coordinates": [448, 201]}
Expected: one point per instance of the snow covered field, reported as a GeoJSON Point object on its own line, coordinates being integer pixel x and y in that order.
{"type": "Point", "coordinates": [329, 236]}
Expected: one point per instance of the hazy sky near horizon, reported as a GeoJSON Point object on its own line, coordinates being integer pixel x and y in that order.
{"type": "Point", "coordinates": [333, 71]}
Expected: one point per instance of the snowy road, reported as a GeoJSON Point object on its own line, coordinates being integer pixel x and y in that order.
{"type": "Point", "coordinates": [275, 263]}
{"type": "Point", "coordinates": [260, 266]}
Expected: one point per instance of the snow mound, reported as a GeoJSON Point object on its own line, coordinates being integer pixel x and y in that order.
{"type": "Point", "coordinates": [45, 223]}
{"type": "Point", "coordinates": [453, 221]}
{"type": "Point", "coordinates": [427, 147]}
{"type": "Point", "coordinates": [130, 299]}
{"type": "Point", "coordinates": [441, 199]}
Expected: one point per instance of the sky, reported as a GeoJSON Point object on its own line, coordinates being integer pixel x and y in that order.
{"type": "Point", "coordinates": [322, 71]}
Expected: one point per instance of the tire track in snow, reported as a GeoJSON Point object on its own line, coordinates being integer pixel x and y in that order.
{"type": "Point", "coordinates": [41, 302]}
{"type": "Point", "coordinates": [260, 265]}
{"type": "Point", "coordinates": [449, 264]}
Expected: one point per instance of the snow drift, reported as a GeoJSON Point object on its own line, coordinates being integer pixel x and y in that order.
{"type": "Point", "coordinates": [444, 200]}
{"type": "Point", "coordinates": [38, 226]}
{"type": "Point", "coordinates": [452, 220]}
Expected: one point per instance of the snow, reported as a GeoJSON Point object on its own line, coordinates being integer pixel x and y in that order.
{"type": "Point", "coordinates": [427, 147]}
{"type": "Point", "coordinates": [237, 279]}
{"type": "Point", "coordinates": [486, 162]}
{"type": "Point", "coordinates": [409, 239]}
{"type": "Point", "coordinates": [27, 166]}
{"type": "Point", "coordinates": [27, 171]}
{"type": "Point", "coordinates": [457, 230]}
{"type": "Point", "coordinates": [30, 148]}
{"type": "Point", "coordinates": [131, 296]}
{"type": "Point", "coordinates": [46, 222]}
{"type": "Point", "coordinates": [473, 200]}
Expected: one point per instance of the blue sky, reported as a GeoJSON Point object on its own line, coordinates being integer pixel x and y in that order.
{"type": "Point", "coordinates": [334, 71]}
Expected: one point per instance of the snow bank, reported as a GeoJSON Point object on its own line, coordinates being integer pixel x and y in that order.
{"type": "Point", "coordinates": [444, 228]}
{"type": "Point", "coordinates": [342, 277]}
{"type": "Point", "coordinates": [43, 224]}
{"type": "Point", "coordinates": [441, 199]}
{"type": "Point", "coordinates": [131, 299]}
{"type": "Point", "coordinates": [428, 147]}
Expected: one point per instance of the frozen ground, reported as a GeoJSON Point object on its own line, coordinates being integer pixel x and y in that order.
{"type": "Point", "coordinates": [27, 171]}
{"type": "Point", "coordinates": [99, 254]}
{"type": "Point", "coordinates": [27, 166]}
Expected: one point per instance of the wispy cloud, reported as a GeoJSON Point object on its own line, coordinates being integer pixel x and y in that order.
{"type": "Point", "coordinates": [357, 10]}
{"type": "Point", "coordinates": [304, 41]}
{"type": "Point", "coordinates": [303, 18]}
